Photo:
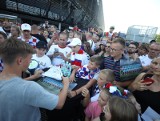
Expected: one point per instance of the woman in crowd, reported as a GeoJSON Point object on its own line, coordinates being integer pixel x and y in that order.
{"type": "Point", "coordinates": [146, 88]}
{"type": "Point", "coordinates": [15, 31]}
{"type": "Point", "coordinates": [118, 109]}
{"type": "Point", "coordinates": [87, 48]}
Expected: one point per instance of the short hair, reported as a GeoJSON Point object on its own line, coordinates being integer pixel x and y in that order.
{"type": "Point", "coordinates": [12, 48]}
{"type": "Point", "coordinates": [120, 41]}
{"type": "Point", "coordinates": [78, 34]}
{"type": "Point", "coordinates": [17, 29]}
{"type": "Point", "coordinates": [63, 33]}
{"type": "Point", "coordinates": [119, 109]}
{"type": "Point", "coordinates": [109, 73]}
{"type": "Point", "coordinates": [3, 34]}
{"type": "Point", "coordinates": [135, 44]}
{"type": "Point", "coordinates": [144, 46]}
{"type": "Point", "coordinates": [34, 27]}
{"type": "Point", "coordinates": [97, 59]}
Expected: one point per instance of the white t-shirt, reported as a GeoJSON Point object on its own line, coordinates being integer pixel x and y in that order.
{"type": "Point", "coordinates": [145, 60]}
{"type": "Point", "coordinates": [92, 44]}
{"type": "Point", "coordinates": [44, 61]}
{"type": "Point", "coordinates": [56, 61]}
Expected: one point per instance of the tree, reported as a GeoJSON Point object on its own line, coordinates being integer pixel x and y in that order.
{"type": "Point", "coordinates": [158, 38]}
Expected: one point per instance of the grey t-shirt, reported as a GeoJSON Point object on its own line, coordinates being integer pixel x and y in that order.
{"type": "Point", "coordinates": [20, 100]}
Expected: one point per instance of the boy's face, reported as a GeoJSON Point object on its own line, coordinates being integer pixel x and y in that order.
{"type": "Point", "coordinates": [40, 52]}
{"type": "Point", "coordinates": [102, 80]}
{"type": "Point", "coordinates": [92, 65]}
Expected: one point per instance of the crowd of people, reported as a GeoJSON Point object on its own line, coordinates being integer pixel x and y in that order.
{"type": "Point", "coordinates": [95, 56]}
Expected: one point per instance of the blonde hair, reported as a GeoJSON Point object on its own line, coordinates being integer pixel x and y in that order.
{"type": "Point", "coordinates": [109, 74]}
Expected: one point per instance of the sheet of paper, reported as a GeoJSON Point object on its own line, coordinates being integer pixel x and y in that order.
{"type": "Point", "coordinates": [150, 115]}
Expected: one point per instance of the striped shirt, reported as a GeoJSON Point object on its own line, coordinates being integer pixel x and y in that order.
{"type": "Point", "coordinates": [110, 63]}
{"type": "Point", "coordinates": [32, 41]}
{"type": "Point", "coordinates": [1, 65]}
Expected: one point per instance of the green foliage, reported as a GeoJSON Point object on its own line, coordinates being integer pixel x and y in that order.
{"type": "Point", "coordinates": [158, 37]}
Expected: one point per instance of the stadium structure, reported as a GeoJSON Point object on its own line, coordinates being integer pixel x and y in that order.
{"type": "Point", "coordinates": [84, 13]}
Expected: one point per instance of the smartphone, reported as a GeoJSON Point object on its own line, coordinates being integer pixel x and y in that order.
{"type": "Point", "coordinates": [148, 80]}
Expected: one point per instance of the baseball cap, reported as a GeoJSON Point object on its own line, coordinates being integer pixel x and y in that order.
{"type": "Point", "coordinates": [25, 26]}
{"type": "Point", "coordinates": [75, 42]}
{"type": "Point", "coordinates": [41, 44]}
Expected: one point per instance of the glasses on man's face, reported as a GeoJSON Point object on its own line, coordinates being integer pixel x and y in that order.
{"type": "Point", "coordinates": [114, 50]}
{"type": "Point", "coordinates": [131, 47]}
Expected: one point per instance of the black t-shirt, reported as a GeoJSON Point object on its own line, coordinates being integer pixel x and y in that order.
{"type": "Point", "coordinates": [40, 37]}
{"type": "Point", "coordinates": [148, 98]}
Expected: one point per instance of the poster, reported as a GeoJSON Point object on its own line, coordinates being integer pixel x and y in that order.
{"type": "Point", "coordinates": [129, 69]}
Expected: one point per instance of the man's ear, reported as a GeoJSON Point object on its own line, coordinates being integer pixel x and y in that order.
{"type": "Point", "coordinates": [19, 60]}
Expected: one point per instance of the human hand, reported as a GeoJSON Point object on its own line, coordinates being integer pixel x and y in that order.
{"type": "Point", "coordinates": [38, 73]}
{"type": "Point", "coordinates": [140, 85]}
{"type": "Point", "coordinates": [72, 78]}
{"type": "Point", "coordinates": [55, 54]}
{"type": "Point", "coordinates": [65, 81]}
{"type": "Point", "coordinates": [61, 54]}
{"type": "Point", "coordinates": [75, 67]}
{"type": "Point", "coordinates": [85, 92]}
{"type": "Point", "coordinates": [72, 94]}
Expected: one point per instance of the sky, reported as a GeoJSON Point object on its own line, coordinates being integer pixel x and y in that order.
{"type": "Point", "coordinates": [125, 13]}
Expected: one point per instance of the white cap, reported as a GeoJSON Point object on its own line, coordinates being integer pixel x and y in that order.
{"type": "Point", "coordinates": [25, 26]}
{"type": "Point", "coordinates": [75, 42]}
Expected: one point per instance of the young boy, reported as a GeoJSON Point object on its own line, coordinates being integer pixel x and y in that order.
{"type": "Point", "coordinates": [78, 57]}
{"type": "Point", "coordinates": [23, 96]}
{"type": "Point", "coordinates": [43, 60]}
{"type": "Point", "coordinates": [88, 72]}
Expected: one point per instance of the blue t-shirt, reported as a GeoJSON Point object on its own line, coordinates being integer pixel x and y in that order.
{"type": "Point", "coordinates": [20, 100]}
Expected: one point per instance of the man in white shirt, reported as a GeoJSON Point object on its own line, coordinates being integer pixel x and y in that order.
{"type": "Point", "coordinates": [154, 51]}
{"type": "Point", "coordinates": [58, 53]}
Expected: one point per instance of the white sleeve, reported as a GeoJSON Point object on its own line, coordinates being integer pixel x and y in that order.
{"type": "Point", "coordinates": [51, 50]}
{"type": "Point", "coordinates": [48, 62]}
{"type": "Point", "coordinates": [86, 59]}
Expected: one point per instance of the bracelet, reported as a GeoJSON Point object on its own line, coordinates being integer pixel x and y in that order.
{"type": "Point", "coordinates": [75, 92]}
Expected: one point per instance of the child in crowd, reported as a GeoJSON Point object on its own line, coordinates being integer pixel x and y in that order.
{"type": "Point", "coordinates": [106, 76]}
{"type": "Point", "coordinates": [88, 72]}
{"type": "Point", "coordinates": [43, 60]}
{"type": "Point", "coordinates": [78, 56]}
{"type": "Point", "coordinates": [118, 109]}
{"type": "Point", "coordinates": [94, 109]}
{"type": "Point", "coordinates": [3, 37]}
